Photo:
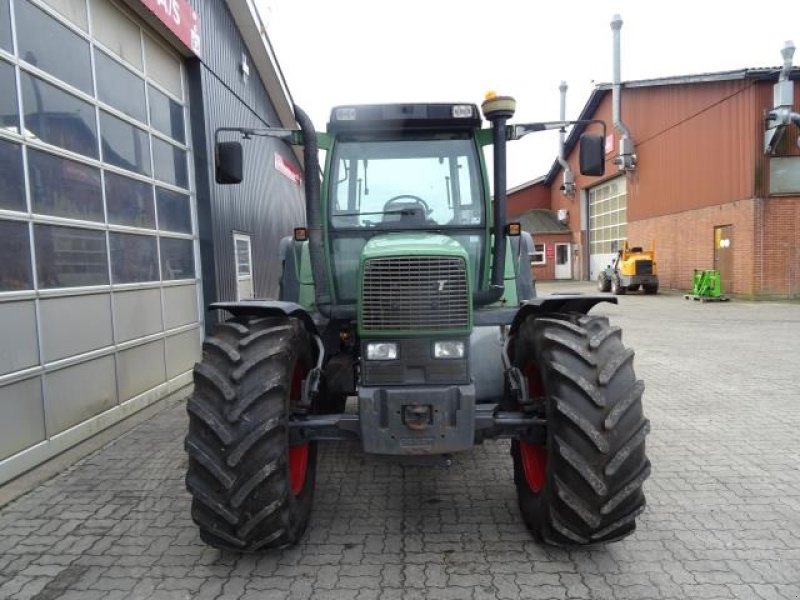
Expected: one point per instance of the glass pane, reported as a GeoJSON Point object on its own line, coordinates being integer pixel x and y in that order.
{"type": "Point", "coordinates": [64, 188]}
{"type": "Point", "coordinates": [5, 27]}
{"type": "Point", "coordinates": [119, 87]}
{"type": "Point", "coordinates": [243, 257]}
{"type": "Point", "coordinates": [74, 10]}
{"type": "Point", "coordinates": [117, 32]}
{"type": "Point", "coordinates": [166, 115]}
{"type": "Point", "coordinates": [170, 163]}
{"type": "Point", "coordinates": [174, 211]}
{"type": "Point", "coordinates": [9, 110]}
{"type": "Point", "coordinates": [177, 259]}
{"type": "Point", "coordinates": [70, 257]}
{"type": "Point", "coordinates": [49, 45]}
{"type": "Point", "coordinates": [12, 177]}
{"type": "Point", "coordinates": [134, 258]}
{"type": "Point", "coordinates": [57, 117]}
{"type": "Point", "coordinates": [124, 145]}
{"type": "Point", "coordinates": [163, 67]}
{"type": "Point", "coordinates": [129, 201]}
{"type": "Point", "coordinates": [15, 248]}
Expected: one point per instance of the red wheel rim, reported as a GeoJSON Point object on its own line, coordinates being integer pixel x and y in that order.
{"type": "Point", "coordinates": [534, 457]}
{"type": "Point", "coordinates": [298, 455]}
{"type": "Point", "coordinates": [534, 464]}
{"type": "Point", "coordinates": [298, 464]}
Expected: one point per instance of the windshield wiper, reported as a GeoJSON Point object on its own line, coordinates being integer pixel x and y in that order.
{"type": "Point", "coordinates": [397, 211]}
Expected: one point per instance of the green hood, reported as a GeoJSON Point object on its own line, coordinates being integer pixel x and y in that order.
{"type": "Point", "coordinates": [412, 244]}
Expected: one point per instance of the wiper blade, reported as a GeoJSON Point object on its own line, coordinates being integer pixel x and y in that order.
{"type": "Point", "coordinates": [397, 211]}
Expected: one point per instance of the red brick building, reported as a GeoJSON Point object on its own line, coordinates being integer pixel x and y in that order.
{"type": "Point", "coordinates": [703, 187]}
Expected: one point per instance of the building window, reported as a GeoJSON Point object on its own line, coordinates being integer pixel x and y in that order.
{"type": "Point", "coordinates": [134, 258]}
{"type": "Point", "coordinates": [784, 175]}
{"type": "Point", "coordinates": [15, 268]}
{"type": "Point", "coordinates": [123, 228]}
{"type": "Point", "coordinates": [177, 259]}
{"type": "Point", "coordinates": [52, 47]}
{"type": "Point", "coordinates": [57, 117]}
{"type": "Point", "coordinates": [9, 115]}
{"type": "Point", "coordinates": [12, 177]}
{"type": "Point", "coordinates": [538, 255]}
{"type": "Point", "coordinates": [70, 257]}
{"type": "Point", "coordinates": [244, 268]}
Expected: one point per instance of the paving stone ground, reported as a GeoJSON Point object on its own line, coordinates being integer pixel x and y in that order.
{"type": "Point", "coordinates": [723, 516]}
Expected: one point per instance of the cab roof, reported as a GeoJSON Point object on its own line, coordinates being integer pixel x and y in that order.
{"type": "Point", "coordinates": [403, 117]}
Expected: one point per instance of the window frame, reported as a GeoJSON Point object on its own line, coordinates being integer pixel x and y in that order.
{"type": "Point", "coordinates": [542, 252]}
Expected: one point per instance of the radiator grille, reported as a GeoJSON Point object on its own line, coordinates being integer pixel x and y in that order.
{"type": "Point", "coordinates": [644, 267]}
{"type": "Point", "coordinates": [415, 292]}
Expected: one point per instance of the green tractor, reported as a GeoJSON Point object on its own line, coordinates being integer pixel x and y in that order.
{"type": "Point", "coordinates": [408, 295]}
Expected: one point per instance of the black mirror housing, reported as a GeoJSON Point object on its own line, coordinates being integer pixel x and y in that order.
{"type": "Point", "coordinates": [592, 155]}
{"type": "Point", "coordinates": [229, 163]}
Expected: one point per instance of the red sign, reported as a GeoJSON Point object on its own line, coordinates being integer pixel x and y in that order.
{"type": "Point", "coordinates": [181, 19]}
{"type": "Point", "coordinates": [287, 169]}
{"type": "Point", "coordinates": [550, 251]}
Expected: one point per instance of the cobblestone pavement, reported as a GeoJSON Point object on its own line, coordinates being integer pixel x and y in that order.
{"type": "Point", "coordinates": [723, 516]}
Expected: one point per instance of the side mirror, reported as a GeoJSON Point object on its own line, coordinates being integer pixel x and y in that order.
{"type": "Point", "coordinates": [228, 163]}
{"type": "Point", "coordinates": [592, 155]}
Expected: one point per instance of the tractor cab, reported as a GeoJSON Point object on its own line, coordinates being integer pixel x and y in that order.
{"type": "Point", "coordinates": [397, 172]}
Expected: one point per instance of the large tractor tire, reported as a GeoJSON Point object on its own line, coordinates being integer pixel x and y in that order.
{"type": "Point", "coordinates": [651, 289]}
{"type": "Point", "coordinates": [617, 288]}
{"type": "Point", "coordinates": [603, 283]}
{"type": "Point", "coordinates": [250, 489]}
{"type": "Point", "coordinates": [584, 486]}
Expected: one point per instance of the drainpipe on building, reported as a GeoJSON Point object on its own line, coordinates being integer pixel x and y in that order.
{"type": "Point", "coordinates": [568, 186]}
{"type": "Point", "coordinates": [626, 158]}
{"type": "Point", "coordinates": [783, 100]}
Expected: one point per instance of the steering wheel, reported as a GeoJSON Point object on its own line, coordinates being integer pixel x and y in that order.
{"type": "Point", "coordinates": [415, 199]}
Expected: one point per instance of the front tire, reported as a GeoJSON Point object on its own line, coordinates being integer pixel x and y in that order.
{"type": "Point", "coordinates": [603, 284]}
{"type": "Point", "coordinates": [651, 289]}
{"type": "Point", "coordinates": [617, 288]}
{"type": "Point", "coordinates": [250, 489]}
{"type": "Point", "coordinates": [585, 485]}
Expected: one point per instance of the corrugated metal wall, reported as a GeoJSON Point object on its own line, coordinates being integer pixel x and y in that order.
{"type": "Point", "coordinates": [267, 205]}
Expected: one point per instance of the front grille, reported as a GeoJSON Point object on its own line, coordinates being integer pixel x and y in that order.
{"type": "Point", "coordinates": [644, 267]}
{"type": "Point", "coordinates": [415, 292]}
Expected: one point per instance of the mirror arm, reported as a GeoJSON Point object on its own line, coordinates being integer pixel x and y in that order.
{"type": "Point", "coordinates": [293, 136]}
{"type": "Point", "coordinates": [523, 129]}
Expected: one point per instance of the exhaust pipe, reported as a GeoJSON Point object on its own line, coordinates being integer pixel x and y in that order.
{"type": "Point", "coordinates": [497, 110]}
{"type": "Point", "coordinates": [314, 211]}
{"type": "Point", "coordinates": [626, 159]}
{"type": "Point", "coordinates": [568, 186]}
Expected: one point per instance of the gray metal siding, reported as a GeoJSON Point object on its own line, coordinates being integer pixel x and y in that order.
{"type": "Point", "coordinates": [267, 205]}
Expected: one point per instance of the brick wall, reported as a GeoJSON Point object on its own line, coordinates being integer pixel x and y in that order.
{"type": "Point", "coordinates": [547, 271]}
{"type": "Point", "coordinates": [685, 242]}
{"type": "Point", "coordinates": [778, 266]}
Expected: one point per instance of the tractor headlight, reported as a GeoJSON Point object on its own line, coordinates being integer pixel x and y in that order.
{"type": "Point", "coordinates": [448, 349]}
{"type": "Point", "coordinates": [381, 351]}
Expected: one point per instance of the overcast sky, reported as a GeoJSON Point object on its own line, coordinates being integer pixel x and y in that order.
{"type": "Point", "coordinates": [369, 51]}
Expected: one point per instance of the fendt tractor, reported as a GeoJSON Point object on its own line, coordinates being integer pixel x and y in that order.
{"type": "Point", "coordinates": [408, 321]}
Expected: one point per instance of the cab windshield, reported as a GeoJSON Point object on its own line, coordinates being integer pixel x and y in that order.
{"type": "Point", "coordinates": [403, 183]}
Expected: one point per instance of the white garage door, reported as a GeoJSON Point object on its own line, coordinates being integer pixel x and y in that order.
{"type": "Point", "coordinates": [608, 222]}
